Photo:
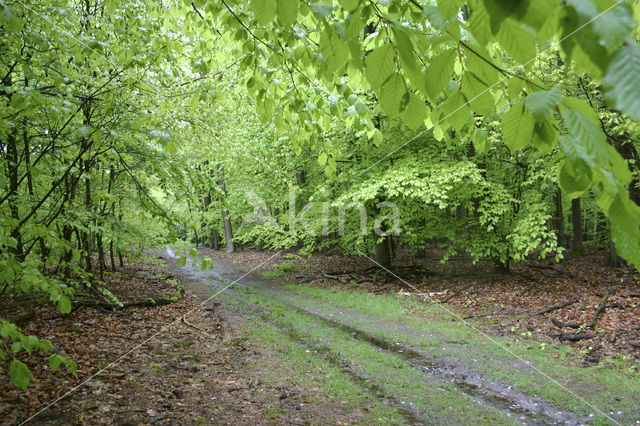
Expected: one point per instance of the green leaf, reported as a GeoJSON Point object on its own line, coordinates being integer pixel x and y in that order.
{"type": "Point", "coordinates": [621, 79]}
{"type": "Point", "coordinates": [322, 159]}
{"type": "Point", "coordinates": [439, 73]}
{"type": "Point", "coordinates": [415, 112]}
{"type": "Point", "coordinates": [334, 51]}
{"type": "Point", "coordinates": [540, 12]}
{"type": "Point", "coordinates": [349, 4]}
{"type": "Point", "coordinates": [545, 136]}
{"type": "Point", "coordinates": [517, 126]}
{"type": "Point", "coordinates": [287, 12]}
{"type": "Point", "coordinates": [182, 261]}
{"type": "Point", "coordinates": [64, 305]}
{"type": "Point", "coordinates": [480, 141]}
{"type": "Point", "coordinates": [456, 110]}
{"type": "Point", "coordinates": [483, 71]}
{"type": "Point", "coordinates": [574, 178]}
{"type": "Point", "coordinates": [379, 66]}
{"type": "Point", "coordinates": [586, 141]}
{"type": "Point", "coordinates": [478, 94]}
{"type": "Point", "coordinates": [19, 374]}
{"type": "Point", "coordinates": [625, 224]}
{"type": "Point", "coordinates": [404, 47]}
{"type": "Point", "coordinates": [582, 107]}
{"type": "Point", "coordinates": [391, 94]}
{"type": "Point", "coordinates": [448, 8]}
{"type": "Point", "coordinates": [480, 23]}
{"type": "Point", "coordinates": [264, 10]}
{"type": "Point", "coordinates": [54, 362]}
{"type": "Point", "coordinates": [517, 41]}
{"type": "Point", "coordinates": [543, 104]}
{"type": "Point", "coordinates": [614, 26]}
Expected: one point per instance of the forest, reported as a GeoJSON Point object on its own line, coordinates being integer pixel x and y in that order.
{"type": "Point", "coordinates": [401, 148]}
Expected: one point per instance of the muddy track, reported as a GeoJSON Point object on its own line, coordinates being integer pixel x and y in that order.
{"type": "Point", "coordinates": [497, 395]}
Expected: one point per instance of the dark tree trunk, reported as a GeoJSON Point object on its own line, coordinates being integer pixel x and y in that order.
{"type": "Point", "coordinates": [111, 257]}
{"type": "Point", "coordinates": [86, 236]}
{"type": "Point", "coordinates": [301, 177]}
{"type": "Point", "coordinates": [214, 242]}
{"type": "Point", "coordinates": [613, 260]}
{"type": "Point", "coordinates": [101, 256]}
{"type": "Point", "coordinates": [559, 217]}
{"type": "Point", "coordinates": [383, 250]}
{"type": "Point", "coordinates": [576, 219]}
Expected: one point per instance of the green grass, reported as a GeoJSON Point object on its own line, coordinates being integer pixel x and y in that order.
{"type": "Point", "coordinates": [280, 270]}
{"type": "Point", "coordinates": [312, 372]}
{"type": "Point", "coordinates": [613, 385]}
{"type": "Point", "coordinates": [391, 374]}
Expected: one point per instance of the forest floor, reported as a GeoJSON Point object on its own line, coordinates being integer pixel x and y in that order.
{"type": "Point", "coordinates": [327, 339]}
{"type": "Point", "coordinates": [547, 301]}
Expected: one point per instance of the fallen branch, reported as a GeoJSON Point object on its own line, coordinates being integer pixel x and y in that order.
{"type": "Point", "coordinates": [555, 307]}
{"type": "Point", "coordinates": [573, 337]}
{"type": "Point", "coordinates": [334, 277]}
{"type": "Point", "coordinates": [184, 320]}
{"type": "Point", "coordinates": [561, 324]}
{"type": "Point", "coordinates": [457, 292]}
{"type": "Point", "coordinates": [601, 307]}
{"type": "Point", "coordinates": [494, 314]}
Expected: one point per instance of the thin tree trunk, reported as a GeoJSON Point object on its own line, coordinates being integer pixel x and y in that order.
{"type": "Point", "coordinates": [613, 260]}
{"type": "Point", "coordinates": [226, 222]}
{"type": "Point", "coordinates": [383, 250]}
{"type": "Point", "coordinates": [86, 236]}
{"type": "Point", "coordinates": [559, 217]}
{"type": "Point", "coordinates": [113, 262]}
{"type": "Point", "coordinates": [213, 240]}
{"type": "Point", "coordinates": [101, 256]}
{"type": "Point", "coordinates": [576, 219]}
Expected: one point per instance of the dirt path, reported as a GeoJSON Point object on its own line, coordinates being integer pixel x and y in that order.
{"type": "Point", "coordinates": [406, 370]}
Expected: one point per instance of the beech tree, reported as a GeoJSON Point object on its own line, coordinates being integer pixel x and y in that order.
{"type": "Point", "coordinates": [485, 123]}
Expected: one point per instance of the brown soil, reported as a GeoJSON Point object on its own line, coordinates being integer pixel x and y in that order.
{"type": "Point", "coordinates": [168, 370]}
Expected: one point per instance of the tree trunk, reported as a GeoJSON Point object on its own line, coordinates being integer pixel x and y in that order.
{"type": "Point", "coordinates": [226, 222]}
{"type": "Point", "coordinates": [576, 219]}
{"type": "Point", "coordinates": [214, 242]}
{"type": "Point", "coordinates": [228, 232]}
{"type": "Point", "coordinates": [559, 218]}
{"type": "Point", "coordinates": [301, 177]}
{"type": "Point", "coordinates": [383, 250]}
{"type": "Point", "coordinates": [111, 257]}
{"type": "Point", "coordinates": [101, 256]}
{"type": "Point", "coordinates": [613, 259]}
{"type": "Point", "coordinates": [86, 236]}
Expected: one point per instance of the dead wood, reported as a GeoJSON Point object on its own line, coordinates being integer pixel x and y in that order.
{"type": "Point", "coordinates": [457, 292]}
{"type": "Point", "coordinates": [561, 324]}
{"type": "Point", "coordinates": [494, 314]}
{"type": "Point", "coordinates": [601, 307]}
{"type": "Point", "coordinates": [573, 337]}
{"type": "Point", "coordinates": [555, 307]}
